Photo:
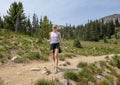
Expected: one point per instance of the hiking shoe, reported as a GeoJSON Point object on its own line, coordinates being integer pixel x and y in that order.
{"type": "Point", "coordinates": [55, 71]}
{"type": "Point", "coordinates": [58, 69]}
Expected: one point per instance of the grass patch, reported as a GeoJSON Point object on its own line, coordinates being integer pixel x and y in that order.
{"type": "Point", "coordinates": [105, 82]}
{"type": "Point", "coordinates": [4, 49]}
{"type": "Point", "coordinates": [82, 65]}
{"type": "Point", "coordinates": [1, 58]}
{"type": "Point", "coordinates": [66, 55]}
{"type": "Point", "coordinates": [45, 82]}
{"type": "Point", "coordinates": [71, 75]}
{"type": "Point", "coordinates": [86, 75]}
{"type": "Point", "coordinates": [33, 55]}
{"type": "Point", "coordinates": [94, 48]}
{"type": "Point", "coordinates": [21, 60]}
{"type": "Point", "coordinates": [77, 43]}
{"type": "Point", "coordinates": [115, 61]}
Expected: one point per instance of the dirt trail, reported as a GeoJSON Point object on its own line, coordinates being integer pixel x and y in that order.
{"type": "Point", "coordinates": [21, 74]}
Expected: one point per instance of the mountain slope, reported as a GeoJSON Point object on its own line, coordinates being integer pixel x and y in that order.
{"type": "Point", "coordinates": [111, 17]}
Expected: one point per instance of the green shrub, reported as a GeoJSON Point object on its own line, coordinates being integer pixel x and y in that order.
{"type": "Point", "coordinates": [102, 63]}
{"type": "Point", "coordinates": [118, 61]}
{"type": "Point", "coordinates": [45, 82]}
{"type": "Point", "coordinates": [115, 61]}
{"type": "Point", "coordinates": [71, 75]}
{"type": "Point", "coordinates": [68, 55]}
{"type": "Point", "coordinates": [44, 57]}
{"type": "Point", "coordinates": [68, 63]}
{"type": "Point", "coordinates": [1, 56]}
{"type": "Point", "coordinates": [33, 55]}
{"type": "Point", "coordinates": [21, 60]}
{"type": "Point", "coordinates": [4, 49]}
{"type": "Point", "coordinates": [77, 43]}
{"type": "Point", "coordinates": [62, 57]}
{"type": "Point", "coordinates": [105, 40]}
{"type": "Point", "coordinates": [82, 64]}
{"type": "Point", "coordinates": [115, 42]}
{"type": "Point", "coordinates": [86, 75]}
{"type": "Point", "coordinates": [106, 82]}
{"type": "Point", "coordinates": [20, 53]}
{"type": "Point", "coordinates": [93, 68]}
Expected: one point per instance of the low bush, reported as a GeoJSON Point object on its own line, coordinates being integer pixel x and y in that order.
{"type": "Point", "coordinates": [86, 75]}
{"type": "Point", "coordinates": [93, 67]}
{"type": "Point", "coordinates": [33, 55]}
{"type": "Point", "coordinates": [1, 56]}
{"type": "Point", "coordinates": [71, 75]}
{"type": "Point", "coordinates": [116, 61]}
{"type": "Point", "coordinates": [82, 64]}
{"type": "Point", "coordinates": [44, 57]}
{"type": "Point", "coordinates": [63, 56]}
{"type": "Point", "coordinates": [45, 82]}
{"type": "Point", "coordinates": [77, 43]}
{"type": "Point", "coordinates": [106, 82]}
{"type": "Point", "coordinates": [105, 40]}
{"type": "Point", "coordinates": [21, 60]}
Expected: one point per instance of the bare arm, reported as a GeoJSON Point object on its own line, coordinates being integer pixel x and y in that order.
{"type": "Point", "coordinates": [60, 39]}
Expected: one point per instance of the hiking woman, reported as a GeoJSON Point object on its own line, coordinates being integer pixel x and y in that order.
{"type": "Point", "coordinates": [55, 39]}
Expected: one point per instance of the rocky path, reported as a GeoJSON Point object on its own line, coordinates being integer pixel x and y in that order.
{"type": "Point", "coordinates": [27, 74]}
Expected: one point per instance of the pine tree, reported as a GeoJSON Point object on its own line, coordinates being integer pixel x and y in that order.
{"type": "Point", "coordinates": [35, 22]}
{"type": "Point", "coordinates": [15, 18]}
{"type": "Point", "coordinates": [1, 22]}
{"type": "Point", "coordinates": [46, 27]}
{"type": "Point", "coordinates": [117, 24]}
{"type": "Point", "coordinates": [29, 27]}
{"type": "Point", "coordinates": [39, 33]}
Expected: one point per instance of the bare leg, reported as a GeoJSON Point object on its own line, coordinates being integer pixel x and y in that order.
{"type": "Point", "coordinates": [53, 58]}
{"type": "Point", "coordinates": [56, 57]}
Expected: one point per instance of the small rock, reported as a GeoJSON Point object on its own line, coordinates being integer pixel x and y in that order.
{"type": "Point", "coordinates": [46, 71]}
{"type": "Point", "coordinates": [98, 65]}
{"type": "Point", "coordinates": [67, 82]}
{"type": "Point", "coordinates": [43, 72]}
{"type": "Point", "coordinates": [99, 76]}
{"type": "Point", "coordinates": [64, 81]}
{"type": "Point", "coordinates": [23, 65]}
{"type": "Point", "coordinates": [108, 71]}
{"type": "Point", "coordinates": [14, 58]}
{"type": "Point", "coordinates": [35, 69]}
{"type": "Point", "coordinates": [94, 48]}
{"type": "Point", "coordinates": [18, 73]}
{"type": "Point", "coordinates": [63, 64]}
{"type": "Point", "coordinates": [90, 83]}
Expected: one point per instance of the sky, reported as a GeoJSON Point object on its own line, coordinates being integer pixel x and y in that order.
{"type": "Point", "coordinates": [62, 12]}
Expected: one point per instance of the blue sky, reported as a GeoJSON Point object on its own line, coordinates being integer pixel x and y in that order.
{"type": "Point", "coordinates": [66, 11]}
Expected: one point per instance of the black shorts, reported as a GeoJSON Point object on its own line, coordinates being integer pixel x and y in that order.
{"type": "Point", "coordinates": [54, 46]}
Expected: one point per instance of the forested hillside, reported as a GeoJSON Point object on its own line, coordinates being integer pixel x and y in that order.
{"type": "Point", "coordinates": [17, 21]}
{"type": "Point", "coordinates": [92, 31]}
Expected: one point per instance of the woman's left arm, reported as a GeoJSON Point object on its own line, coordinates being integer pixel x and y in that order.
{"type": "Point", "coordinates": [60, 39]}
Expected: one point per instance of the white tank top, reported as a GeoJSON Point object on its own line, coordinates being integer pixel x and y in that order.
{"type": "Point", "coordinates": [54, 38]}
